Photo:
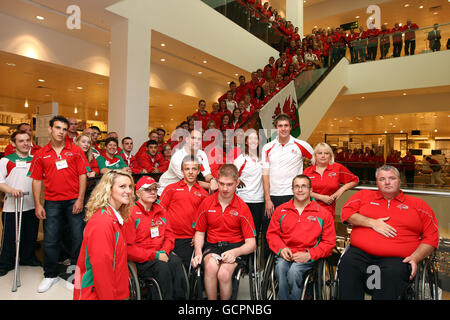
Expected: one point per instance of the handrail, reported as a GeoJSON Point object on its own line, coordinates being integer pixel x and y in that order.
{"type": "Point", "coordinates": [426, 192]}
{"type": "Point", "coordinates": [402, 31]}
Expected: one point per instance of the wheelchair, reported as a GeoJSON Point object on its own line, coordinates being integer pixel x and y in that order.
{"type": "Point", "coordinates": [246, 266]}
{"type": "Point", "coordinates": [316, 284]}
{"type": "Point", "coordinates": [140, 287]}
{"type": "Point", "coordinates": [424, 286]}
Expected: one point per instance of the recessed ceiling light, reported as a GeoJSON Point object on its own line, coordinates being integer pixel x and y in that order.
{"type": "Point", "coordinates": [420, 7]}
{"type": "Point", "coordinates": [204, 61]}
{"type": "Point", "coordinates": [357, 17]}
{"type": "Point", "coordinates": [363, 97]}
{"type": "Point", "coordinates": [40, 18]}
{"type": "Point", "coordinates": [96, 113]}
{"type": "Point", "coordinates": [10, 64]}
{"type": "Point", "coordinates": [41, 80]}
{"type": "Point", "coordinates": [199, 72]}
{"type": "Point", "coordinates": [406, 5]}
{"type": "Point", "coordinates": [385, 131]}
{"type": "Point", "coordinates": [435, 12]}
{"type": "Point", "coordinates": [435, 130]}
{"type": "Point", "coordinates": [170, 105]}
{"type": "Point", "coordinates": [400, 24]}
{"type": "Point", "coordinates": [69, 89]}
{"type": "Point", "coordinates": [80, 88]}
{"type": "Point", "coordinates": [171, 119]}
{"type": "Point", "coordinates": [401, 131]}
{"type": "Point", "coordinates": [163, 44]}
{"type": "Point", "coordinates": [236, 74]}
{"type": "Point", "coordinates": [404, 93]}
{"type": "Point", "coordinates": [75, 110]}
{"type": "Point", "coordinates": [99, 83]}
{"type": "Point", "coordinates": [163, 59]}
{"type": "Point", "coordinates": [47, 95]}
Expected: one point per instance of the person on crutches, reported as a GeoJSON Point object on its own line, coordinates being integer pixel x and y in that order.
{"type": "Point", "coordinates": [18, 198]}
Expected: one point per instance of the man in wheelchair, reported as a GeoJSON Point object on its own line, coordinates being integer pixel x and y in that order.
{"type": "Point", "coordinates": [150, 242]}
{"type": "Point", "coordinates": [300, 232]}
{"type": "Point", "coordinates": [228, 222]}
{"type": "Point", "coordinates": [392, 233]}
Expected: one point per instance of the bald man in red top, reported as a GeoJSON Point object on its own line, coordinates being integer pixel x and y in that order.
{"type": "Point", "coordinates": [392, 233]}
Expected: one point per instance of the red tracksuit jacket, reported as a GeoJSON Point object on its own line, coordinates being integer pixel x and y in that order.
{"type": "Point", "coordinates": [143, 243]}
{"type": "Point", "coordinates": [102, 268]}
{"type": "Point", "coordinates": [313, 230]}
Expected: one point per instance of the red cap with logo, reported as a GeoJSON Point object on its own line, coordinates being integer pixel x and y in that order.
{"type": "Point", "coordinates": [146, 182]}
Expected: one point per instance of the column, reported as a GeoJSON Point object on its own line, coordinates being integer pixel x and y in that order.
{"type": "Point", "coordinates": [294, 13]}
{"type": "Point", "coordinates": [129, 83]}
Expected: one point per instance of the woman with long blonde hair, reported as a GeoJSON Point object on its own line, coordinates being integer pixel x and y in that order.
{"type": "Point", "coordinates": [84, 141]}
{"type": "Point", "coordinates": [102, 269]}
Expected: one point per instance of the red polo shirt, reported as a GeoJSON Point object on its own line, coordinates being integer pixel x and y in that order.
{"type": "Point", "coordinates": [413, 219]}
{"type": "Point", "coordinates": [312, 230]}
{"type": "Point", "coordinates": [59, 184]}
{"type": "Point", "coordinates": [234, 224]}
{"type": "Point", "coordinates": [148, 163]}
{"type": "Point", "coordinates": [181, 205]}
{"type": "Point", "coordinates": [328, 183]}
{"type": "Point", "coordinates": [203, 117]}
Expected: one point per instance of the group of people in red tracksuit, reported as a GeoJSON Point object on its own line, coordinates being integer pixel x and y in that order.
{"type": "Point", "coordinates": [190, 228]}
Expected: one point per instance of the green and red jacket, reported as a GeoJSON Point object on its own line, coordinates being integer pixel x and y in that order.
{"type": "Point", "coordinates": [102, 267]}
{"type": "Point", "coordinates": [312, 230]}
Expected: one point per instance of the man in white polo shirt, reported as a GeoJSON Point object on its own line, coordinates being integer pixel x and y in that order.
{"type": "Point", "coordinates": [282, 160]}
{"type": "Point", "coordinates": [174, 174]}
{"type": "Point", "coordinates": [14, 182]}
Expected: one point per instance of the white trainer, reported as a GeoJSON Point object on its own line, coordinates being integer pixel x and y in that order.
{"type": "Point", "coordinates": [46, 284]}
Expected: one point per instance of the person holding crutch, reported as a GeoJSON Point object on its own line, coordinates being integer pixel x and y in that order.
{"type": "Point", "coordinates": [15, 184]}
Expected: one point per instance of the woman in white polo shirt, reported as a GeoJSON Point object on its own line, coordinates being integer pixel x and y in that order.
{"type": "Point", "coordinates": [250, 188]}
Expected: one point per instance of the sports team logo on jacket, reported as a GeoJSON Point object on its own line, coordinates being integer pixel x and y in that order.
{"type": "Point", "coordinates": [332, 174]}
{"type": "Point", "coordinates": [234, 213]}
{"type": "Point", "coordinates": [311, 218]}
{"type": "Point", "coordinates": [403, 207]}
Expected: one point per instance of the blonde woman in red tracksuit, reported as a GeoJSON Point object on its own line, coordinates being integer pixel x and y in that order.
{"type": "Point", "coordinates": [102, 269]}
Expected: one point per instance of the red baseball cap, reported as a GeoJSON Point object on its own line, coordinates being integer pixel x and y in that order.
{"type": "Point", "coordinates": [146, 182]}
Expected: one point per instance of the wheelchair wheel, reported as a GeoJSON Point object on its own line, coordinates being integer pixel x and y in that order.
{"type": "Point", "coordinates": [253, 277]}
{"type": "Point", "coordinates": [196, 284]}
{"type": "Point", "coordinates": [427, 288]}
{"type": "Point", "coordinates": [325, 279]}
{"type": "Point", "coordinates": [154, 289]}
{"type": "Point", "coordinates": [133, 283]}
{"type": "Point", "coordinates": [270, 283]}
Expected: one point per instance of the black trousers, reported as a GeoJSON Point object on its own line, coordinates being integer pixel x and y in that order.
{"type": "Point", "coordinates": [410, 47]}
{"type": "Point", "coordinates": [169, 275]}
{"type": "Point", "coordinates": [277, 200]}
{"type": "Point", "coordinates": [356, 269]}
{"type": "Point", "coordinates": [183, 250]}
{"type": "Point", "coordinates": [28, 235]}
{"type": "Point", "coordinates": [397, 49]}
{"type": "Point", "coordinates": [257, 210]}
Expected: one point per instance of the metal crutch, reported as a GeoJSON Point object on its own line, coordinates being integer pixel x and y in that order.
{"type": "Point", "coordinates": [18, 225]}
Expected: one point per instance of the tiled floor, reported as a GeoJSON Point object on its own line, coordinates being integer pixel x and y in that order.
{"type": "Point", "coordinates": [30, 278]}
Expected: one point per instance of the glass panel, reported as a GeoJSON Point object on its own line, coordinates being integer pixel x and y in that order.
{"type": "Point", "coordinates": [421, 40]}
{"type": "Point", "coordinates": [251, 19]}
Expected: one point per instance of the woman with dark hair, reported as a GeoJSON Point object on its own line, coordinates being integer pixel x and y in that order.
{"type": "Point", "coordinates": [225, 122]}
{"type": "Point", "coordinates": [223, 108]}
{"type": "Point", "coordinates": [236, 119]}
{"type": "Point", "coordinates": [111, 160]}
{"type": "Point", "coordinates": [250, 188]}
{"type": "Point", "coordinates": [258, 98]}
